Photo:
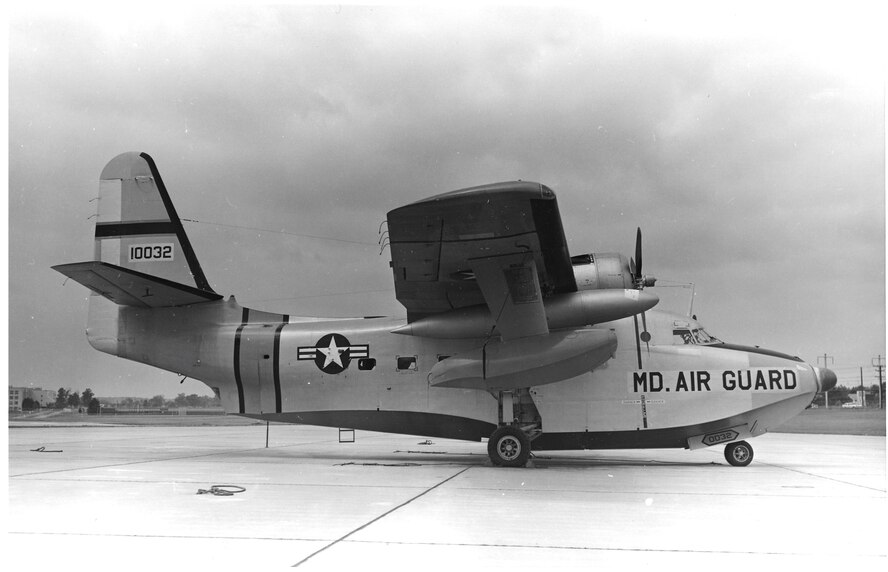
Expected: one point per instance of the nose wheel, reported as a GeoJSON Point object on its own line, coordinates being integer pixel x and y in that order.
{"type": "Point", "coordinates": [739, 453]}
{"type": "Point", "coordinates": [509, 446]}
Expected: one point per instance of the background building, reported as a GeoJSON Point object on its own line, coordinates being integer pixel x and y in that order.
{"type": "Point", "coordinates": [16, 396]}
{"type": "Point", "coordinates": [45, 397]}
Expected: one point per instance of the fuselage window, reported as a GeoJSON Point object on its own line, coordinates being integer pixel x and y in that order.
{"type": "Point", "coordinates": [366, 363]}
{"type": "Point", "coordinates": [406, 363]}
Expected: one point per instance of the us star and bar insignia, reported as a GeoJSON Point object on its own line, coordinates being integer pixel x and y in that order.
{"type": "Point", "coordinates": [333, 352]}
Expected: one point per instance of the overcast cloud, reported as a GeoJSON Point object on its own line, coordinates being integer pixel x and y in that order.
{"type": "Point", "coordinates": [750, 149]}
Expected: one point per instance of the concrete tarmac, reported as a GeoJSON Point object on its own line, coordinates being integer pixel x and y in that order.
{"type": "Point", "coordinates": [118, 498]}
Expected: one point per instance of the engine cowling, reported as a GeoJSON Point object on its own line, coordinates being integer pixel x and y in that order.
{"type": "Point", "coordinates": [607, 270]}
{"type": "Point", "coordinates": [597, 271]}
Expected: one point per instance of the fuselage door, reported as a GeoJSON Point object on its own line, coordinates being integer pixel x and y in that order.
{"type": "Point", "coordinates": [256, 369]}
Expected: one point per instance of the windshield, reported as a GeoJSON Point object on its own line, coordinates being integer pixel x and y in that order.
{"type": "Point", "coordinates": [696, 336]}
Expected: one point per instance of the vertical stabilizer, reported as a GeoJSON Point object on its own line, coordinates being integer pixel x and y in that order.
{"type": "Point", "coordinates": [137, 226]}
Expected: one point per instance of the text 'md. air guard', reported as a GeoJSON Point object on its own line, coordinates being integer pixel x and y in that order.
{"type": "Point", "coordinates": [754, 379]}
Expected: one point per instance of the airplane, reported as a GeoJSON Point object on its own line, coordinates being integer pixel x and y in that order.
{"type": "Point", "coordinates": [507, 337]}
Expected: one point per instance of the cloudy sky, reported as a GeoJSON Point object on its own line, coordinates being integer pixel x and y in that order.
{"type": "Point", "coordinates": [749, 146]}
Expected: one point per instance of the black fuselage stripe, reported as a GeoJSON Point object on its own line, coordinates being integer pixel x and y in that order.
{"type": "Point", "coordinates": [644, 326]}
{"type": "Point", "coordinates": [277, 364]}
{"type": "Point", "coordinates": [120, 229]}
{"type": "Point", "coordinates": [237, 361]}
{"type": "Point", "coordinates": [190, 256]}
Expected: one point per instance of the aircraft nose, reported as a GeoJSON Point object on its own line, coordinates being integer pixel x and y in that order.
{"type": "Point", "coordinates": [826, 379]}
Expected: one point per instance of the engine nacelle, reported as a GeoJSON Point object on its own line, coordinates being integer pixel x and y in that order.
{"type": "Point", "coordinates": [599, 271]}
{"type": "Point", "coordinates": [563, 311]}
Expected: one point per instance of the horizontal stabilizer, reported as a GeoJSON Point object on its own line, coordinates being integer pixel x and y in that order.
{"type": "Point", "coordinates": [131, 288]}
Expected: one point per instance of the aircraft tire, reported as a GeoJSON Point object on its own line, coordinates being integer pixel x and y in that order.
{"type": "Point", "coordinates": [739, 453]}
{"type": "Point", "coordinates": [509, 447]}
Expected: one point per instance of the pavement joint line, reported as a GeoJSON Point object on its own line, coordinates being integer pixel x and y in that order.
{"type": "Point", "coordinates": [714, 493]}
{"type": "Point", "coordinates": [159, 460]}
{"type": "Point", "coordinates": [824, 477]}
{"type": "Point", "coordinates": [603, 549]}
{"type": "Point", "coordinates": [165, 536]}
{"type": "Point", "coordinates": [378, 518]}
{"type": "Point", "coordinates": [515, 490]}
{"type": "Point", "coordinates": [253, 484]}
{"type": "Point", "coordinates": [455, 544]}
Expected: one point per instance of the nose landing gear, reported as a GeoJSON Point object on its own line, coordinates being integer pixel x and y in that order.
{"type": "Point", "coordinates": [738, 453]}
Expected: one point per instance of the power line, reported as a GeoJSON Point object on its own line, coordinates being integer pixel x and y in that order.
{"type": "Point", "coordinates": [301, 235]}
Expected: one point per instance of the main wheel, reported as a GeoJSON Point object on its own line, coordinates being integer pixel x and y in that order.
{"type": "Point", "coordinates": [509, 447]}
{"type": "Point", "coordinates": [738, 453]}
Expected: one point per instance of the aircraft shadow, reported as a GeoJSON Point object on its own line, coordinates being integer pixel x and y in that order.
{"type": "Point", "coordinates": [543, 460]}
{"type": "Point", "coordinates": [420, 457]}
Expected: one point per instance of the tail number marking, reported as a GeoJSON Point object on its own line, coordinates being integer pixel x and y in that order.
{"type": "Point", "coordinates": [150, 252]}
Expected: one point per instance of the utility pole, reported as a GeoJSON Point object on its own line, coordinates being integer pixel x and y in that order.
{"type": "Point", "coordinates": [862, 390]}
{"type": "Point", "coordinates": [879, 364]}
{"type": "Point", "coordinates": [826, 360]}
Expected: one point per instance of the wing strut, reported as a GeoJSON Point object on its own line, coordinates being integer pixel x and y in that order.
{"type": "Point", "coordinates": [511, 289]}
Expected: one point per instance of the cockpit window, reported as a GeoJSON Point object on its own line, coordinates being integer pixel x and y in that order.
{"type": "Point", "coordinates": [705, 338]}
{"type": "Point", "coordinates": [698, 336]}
{"type": "Point", "coordinates": [682, 337]}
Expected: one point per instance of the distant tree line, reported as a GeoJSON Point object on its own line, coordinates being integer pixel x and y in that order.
{"type": "Point", "coordinates": [88, 401]}
{"type": "Point", "coordinates": [840, 395]}
{"type": "Point", "coordinates": [65, 398]}
{"type": "Point", "coordinates": [160, 402]}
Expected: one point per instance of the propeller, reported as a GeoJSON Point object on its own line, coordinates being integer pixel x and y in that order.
{"type": "Point", "coordinates": [635, 267]}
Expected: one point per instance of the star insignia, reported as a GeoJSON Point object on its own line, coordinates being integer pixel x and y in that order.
{"type": "Point", "coordinates": [333, 353]}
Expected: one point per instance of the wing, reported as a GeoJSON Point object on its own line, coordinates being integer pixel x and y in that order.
{"type": "Point", "coordinates": [502, 245]}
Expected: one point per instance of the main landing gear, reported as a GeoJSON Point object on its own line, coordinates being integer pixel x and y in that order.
{"type": "Point", "coordinates": [509, 446]}
{"type": "Point", "coordinates": [738, 453]}
{"type": "Point", "coordinates": [519, 424]}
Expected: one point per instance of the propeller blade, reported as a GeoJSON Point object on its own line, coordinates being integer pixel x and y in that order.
{"type": "Point", "coordinates": [638, 274]}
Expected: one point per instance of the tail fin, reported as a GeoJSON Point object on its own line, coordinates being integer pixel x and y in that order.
{"type": "Point", "coordinates": [142, 255]}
